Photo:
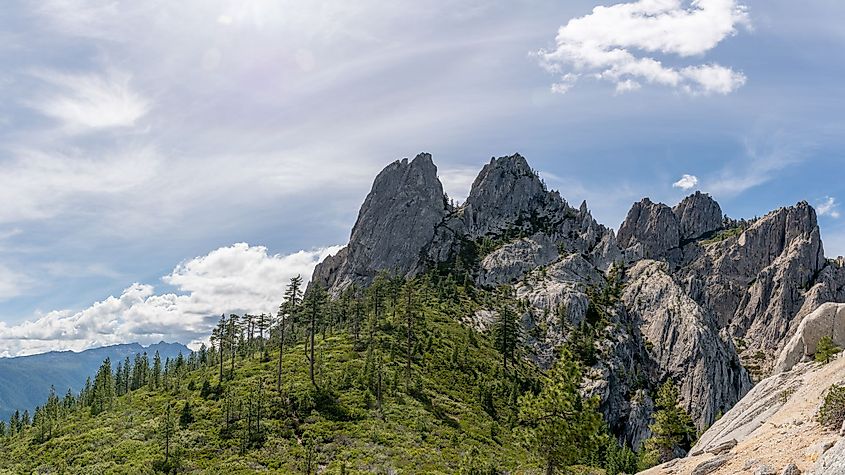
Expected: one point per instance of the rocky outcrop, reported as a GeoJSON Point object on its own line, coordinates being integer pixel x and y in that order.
{"type": "Point", "coordinates": [827, 320]}
{"type": "Point", "coordinates": [396, 221]}
{"type": "Point", "coordinates": [754, 280]}
{"type": "Point", "coordinates": [684, 343]}
{"type": "Point", "coordinates": [650, 231]}
{"type": "Point", "coordinates": [698, 215]}
{"type": "Point", "coordinates": [699, 288]}
{"type": "Point", "coordinates": [775, 428]}
{"type": "Point", "coordinates": [513, 260]}
{"type": "Point", "coordinates": [508, 195]}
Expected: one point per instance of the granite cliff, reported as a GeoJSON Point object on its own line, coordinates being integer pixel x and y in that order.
{"type": "Point", "coordinates": [689, 294]}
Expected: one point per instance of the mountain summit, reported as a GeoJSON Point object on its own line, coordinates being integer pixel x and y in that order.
{"type": "Point", "coordinates": [701, 299]}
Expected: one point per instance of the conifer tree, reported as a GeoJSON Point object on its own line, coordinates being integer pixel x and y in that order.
{"type": "Point", "coordinates": [673, 432]}
{"type": "Point", "coordinates": [155, 380]}
{"type": "Point", "coordinates": [313, 303]}
{"type": "Point", "coordinates": [288, 311]}
{"type": "Point", "coordinates": [103, 390]}
{"type": "Point", "coordinates": [506, 330]}
{"type": "Point", "coordinates": [558, 424]}
{"type": "Point", "coordinates": [167, 430]}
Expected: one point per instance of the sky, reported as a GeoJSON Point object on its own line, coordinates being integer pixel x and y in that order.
{"type": "Point", "coordinates": [165, 162]}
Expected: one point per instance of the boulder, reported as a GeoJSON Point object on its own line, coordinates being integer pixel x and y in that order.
{"type": "Point", "coordinates": [827, 320]}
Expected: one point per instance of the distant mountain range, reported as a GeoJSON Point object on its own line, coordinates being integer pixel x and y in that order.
{"type": "Point", "coordinates": [25, 381]}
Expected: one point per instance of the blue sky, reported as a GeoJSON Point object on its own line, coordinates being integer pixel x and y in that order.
{"type": "Point", "coordinates": [141, 141]}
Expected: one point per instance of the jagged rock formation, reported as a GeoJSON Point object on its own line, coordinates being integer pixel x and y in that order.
{"type": "Point", "coordinates": [698, 215]}
{"type": "Point", "coordinates": [650, 231]}
{"type": "Point", "coordinates": [705, 299]}
{"type": "Point", "coordinates": [684, 343]}
{"type": "Point", "coordinates": [396, 221]}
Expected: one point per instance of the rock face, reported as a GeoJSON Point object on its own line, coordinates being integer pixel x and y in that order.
{"type": "Point", "coordinates": [396, 221]}
{"type": "Point", "coordinates": [507, 194]}
{"type": "Point", "coordinates": [698, 215]}
{"type": "Point", "coordinates": [691, 296]}
{"type": "Point", "coordinates": [650, 231]}
{"type": "Point", "coordinates": [774, 428]}
{"type": "Point", "coordinates": [827, 320]}
{"type": "Point", "coordinates": [684, 343]}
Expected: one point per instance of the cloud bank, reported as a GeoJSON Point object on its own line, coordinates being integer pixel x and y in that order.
{"type": "Point", "coordinates": [621, 43]}
{"type": "Point", "coordinates": [234, 279]}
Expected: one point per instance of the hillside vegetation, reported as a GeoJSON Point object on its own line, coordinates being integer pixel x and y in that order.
{"type": "Point", "coordinates": [385, 380]}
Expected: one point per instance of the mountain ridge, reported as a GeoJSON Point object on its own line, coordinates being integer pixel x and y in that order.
{"type": "Point", "coordinates": [25, 381]}
{"type": "Point", "coordinates": [741, 287]}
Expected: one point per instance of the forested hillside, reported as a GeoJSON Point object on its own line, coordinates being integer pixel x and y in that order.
{"type": "Point", "coordinates": [382, 380]}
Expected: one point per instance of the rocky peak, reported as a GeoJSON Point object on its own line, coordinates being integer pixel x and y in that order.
{"type": "Point", "coordinates": [698, 215]}
{"type": "Point", "coordinates": [396, 221]}
{"type": "Point", "coordinates": [505, 193]}
{"type": "Point", "coordinates": [650, 231]}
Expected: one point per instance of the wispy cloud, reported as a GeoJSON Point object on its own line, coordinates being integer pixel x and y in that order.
{"type": "Point", "coordinates": [828, 207]}
{"type": "Point", "coordinates": [764, 158]}
{"type": "Point", "coordinates": [41, 184]}
{"type": "Point", "coordinates": [233, 279]}
{"type": "Point", "coordinates": [13, 283]}
{"type": "Point", "coordinates": [613, 43]}
{"type": "Point", "coordinates": [686, 182]}
{"type": "Point", "coordinates": [457, 181]}
{"type": "Point", "coordinates": [91, 101]}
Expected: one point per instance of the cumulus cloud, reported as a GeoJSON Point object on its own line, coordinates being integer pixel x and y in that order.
{"type": "Point", "coordinates": [828, 207]}
{"type": "Point", "coordinates": [234, 279]}
{"type": "Point", "coordinates": [91, 101]}
{"type": "Point", "coordinates": [686, 182]}
{"type": "Point", "coordinates": [619, 43]}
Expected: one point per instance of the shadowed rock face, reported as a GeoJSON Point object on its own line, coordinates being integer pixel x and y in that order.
{"type": "Point", "coordinates": [396, 221]}
{"type": "Point", "coordinates": [650, 231]}
{"type": "Point", "coordinates": [507, 194]}
{"type": "Point", "coordinates": [698, 215]}
{"type": "Point", "coordinates": [701, 305]}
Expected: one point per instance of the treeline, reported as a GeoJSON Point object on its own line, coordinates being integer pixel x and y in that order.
{"type": "Point", "coordinates": [405, 343]}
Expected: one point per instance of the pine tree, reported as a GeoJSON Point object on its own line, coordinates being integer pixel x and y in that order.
{"type": "Point", "coordinates": [558, 424]}
{"type": "Point", "coordinates": [673, 432]}
{"type": "Point", "coordinates": [315, 299]}
{"type": "Point", "coordinates": [506, 331]}
{"type": "Point", "coordinates": [218, 335]}
{"type": "Point", "coordinates": [288, 311]}
{"type": "Point", "coordinates": [167, 430]}
{"type": "Point", "coordinates": [410, 311]}
{"type": "Point", "coordinates": [155, 380]}
{"type": "Point", "coordinates": [186, 417]}
{"type": "Point", "coordinates": [103, 390]}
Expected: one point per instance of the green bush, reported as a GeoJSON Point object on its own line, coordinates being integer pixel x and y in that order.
{"type": "Point", "coordinates": [832, 412]}
{"type": "Point", "coordinates": [826, 349]}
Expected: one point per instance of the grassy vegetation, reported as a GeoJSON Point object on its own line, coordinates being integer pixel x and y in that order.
{"type": "Point", "coordinates": [724, 235]}
{"type": "Point", "coordinates": [458, 411]}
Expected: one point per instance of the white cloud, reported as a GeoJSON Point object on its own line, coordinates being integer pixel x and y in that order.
{"type": "Point", "coordinates": [234, 279]}
{"type": "Point", "coordinates": [613, 43]}
{"type": "Point", "coordinates": [686, 182]}
{"type": "Point", "coordinates": [91, 101]}
{"type": "Point", "coordinates": [828, 207]}
{"type": "Point", "coordinates": [458, 181]}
